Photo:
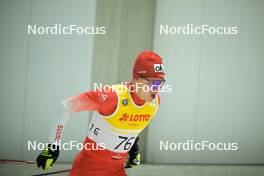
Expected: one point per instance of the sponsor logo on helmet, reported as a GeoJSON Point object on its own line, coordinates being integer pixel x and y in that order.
{"type": "Point", "coordinates": [158, 68]}
{"type": "Point", "coordinates": [141, 72]}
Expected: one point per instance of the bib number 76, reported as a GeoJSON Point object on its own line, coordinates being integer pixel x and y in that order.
{"type": "Point", "coordinates": [126, 142]}
{"type": "Point", "coordinates": [95, 130]}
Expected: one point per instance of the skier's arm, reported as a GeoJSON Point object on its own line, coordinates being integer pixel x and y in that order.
{"type": "Point", "coordinates": [85, 101]}
{"type": "Point", "coordinates": [134, 154]}
{"type": "Point", "coordinates": [101, 101]}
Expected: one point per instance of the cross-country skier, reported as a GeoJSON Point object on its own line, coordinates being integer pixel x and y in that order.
{"type": "Point", "coordinates": [121, 112]}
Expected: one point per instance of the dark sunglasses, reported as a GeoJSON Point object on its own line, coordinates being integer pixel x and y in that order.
{"type": "Point", "coordinates": [155, 84]}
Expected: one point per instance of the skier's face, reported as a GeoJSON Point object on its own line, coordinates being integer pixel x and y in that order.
{"type": "Point", "coordinates": [148, 88]}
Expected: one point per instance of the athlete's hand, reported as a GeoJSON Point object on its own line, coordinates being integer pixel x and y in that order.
{"type": "Point", "coordinates": [133, 161]}
{"type": "Point", "coordinates": [48, 156]}
{"type": "Point", "coordinates": [134, 155]}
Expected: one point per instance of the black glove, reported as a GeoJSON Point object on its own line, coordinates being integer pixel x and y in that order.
{"type": "Point", "coordinates": [48, 156]}
{"type": "Point", "coordinates": [134, 155]}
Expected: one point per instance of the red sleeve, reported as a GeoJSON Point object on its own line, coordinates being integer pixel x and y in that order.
{"type": "Point", "coordinates": [103, 101]}
{"type": "Point", "coordinates": [158, 99]}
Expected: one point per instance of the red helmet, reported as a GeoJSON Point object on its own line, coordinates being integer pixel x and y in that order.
{"type": "Point", "coordinates": [149, 65]}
